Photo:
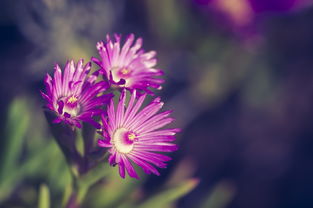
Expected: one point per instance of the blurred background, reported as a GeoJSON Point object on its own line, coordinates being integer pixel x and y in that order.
{"type": "Point", "coordinates": [239, 76]}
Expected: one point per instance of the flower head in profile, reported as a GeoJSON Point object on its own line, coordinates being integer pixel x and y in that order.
{"type": "Point", "coordinates": [73, 96]}
{"type": "Point", "coordinates": [128, 66]}
{"type": "Point", "coordinates": [135, 135]}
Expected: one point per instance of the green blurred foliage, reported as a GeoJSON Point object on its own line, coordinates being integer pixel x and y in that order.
{"type": "Point", "coordinates": [44, 197]}
{"type": "Point", "coordinates": [220, 196]}
{"type": "Point", "coordinates": [24, 139]}
{"type": "Point", "coordinates": [45, 162]}
{"type": "Point", "coordinates": [168, 196]}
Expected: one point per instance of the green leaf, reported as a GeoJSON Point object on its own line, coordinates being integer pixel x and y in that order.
{"type": "Point", "coordinates": [35, 161]}
{"type": "Point", "coordinates": [80, 142]}
{"type": "Point", "coordinates": [84, 182]}
{"type": "Point", "coordinates": [169, 196]}
{"type": "Point", "coordinates": [44, 197]}
{"type": "Point", "coordinates": [221, 195]}
{"type": "Point", "coordinates": [15, 131]}
{"type": "Point", "coordinates": [67, 194]}
{"type": "Point", "coordinates": [95, 175]}
{"type": "Point", "coordinates": [112, 191]}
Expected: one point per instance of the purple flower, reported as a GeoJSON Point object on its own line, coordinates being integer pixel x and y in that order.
{"type": "Point", "coordinates": [128, 66]}
{"type": "Point", "coordinates": [135, 135]}
{"type": "Point", "coordinates": [243, 17]}
{"type": "Point", "coordinates": [73, 96]}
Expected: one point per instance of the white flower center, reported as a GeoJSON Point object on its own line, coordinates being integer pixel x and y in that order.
{"type": "Point", "coordinates": [123, 140]}
{"type": "Point", "coordinates": [122, 73]}
{"type": "Point", "coordinates": [72, 106]}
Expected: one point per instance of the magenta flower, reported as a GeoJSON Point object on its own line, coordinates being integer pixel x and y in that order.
{"type": "Point", "coordinates": [73, 96]}
{"type": "Point", "coordinates": [244, 17]}
{"type": "Point", "coordinates": [129, 66]}
{"type": "Point", "coordinates": [135, 135]}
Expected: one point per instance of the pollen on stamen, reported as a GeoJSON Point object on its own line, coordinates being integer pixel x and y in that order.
{"type": "Point", "coordinates": [131, 136]}
{"type": "Point", "coordinates": [124, 71]}
{"type": "Point", "coordinates": [72, 99]}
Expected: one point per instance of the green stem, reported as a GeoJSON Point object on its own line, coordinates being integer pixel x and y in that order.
{"type": "Point", "coordinates": [82, 182]}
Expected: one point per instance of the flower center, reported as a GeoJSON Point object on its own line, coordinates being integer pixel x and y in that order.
{"type": "Point", "coordinates": [71, 105]}
{"type": "Point", "coordinates": [131, 136]}
{"type": "Point", "coordinates": [72, 100]}
{"type": "Point", "coordinates": [119, 73]}
{"type": "Point", "coordinates": [123, 140]}
{"type": "Point", "coordinates": [124, 71]}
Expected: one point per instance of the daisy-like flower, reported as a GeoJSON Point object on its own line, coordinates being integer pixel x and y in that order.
{"type": "Point", "coordinates": [73, 96]}
{"type": "Point", "coordinates": [135, 135]}
{"type": "Point", "coordinates": [128, 66]}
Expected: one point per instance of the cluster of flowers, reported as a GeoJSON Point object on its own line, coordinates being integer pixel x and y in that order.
{"type": "Point", "coordinates": [131, 132]}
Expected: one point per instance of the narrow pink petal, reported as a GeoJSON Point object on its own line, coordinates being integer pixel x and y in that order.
{"type": "Point", "coordinates": [96, 61]}
{"type": "Point", "coordinates": [78, 71]}
{"type": "Point", "coordinates": [57, 120]}
{"type": "Point", "coordinates": [161, 157]}
{"type": "Point", "coordinates": [157, 147]}
{"type": "Point", "coordinates": [121, 168]}
{"type": "Point", "coordinates": [129, 167]}
{"type": "Point", "coordinates": [153, 158]}
{"type": "Point", "coordinates": [154, 124]}
{"type": "Point", "coordinates": [106, 126]}
{"type": "Point", "coordinates": [111, 115]}
{"type": "Point", "coordinates": [135, 109]}
{"type": "Point", "coordinates": [46, 97]}
{"type": "Point", "coordinates": [66, 78]}
{"type": "Point", "coordinates": [48, 84]}
{"type": "Point", "coordinates": [58, 81]}
{"type": "Point", "coordinates": [76, 123]}
{"type": "Point", "coordinates": [149, 117]}
{"type": "Point", "coordinates": [91, 92]}
{"type": "Point", "coordinates": [125, 49]}
{"type": "Point", "coordinates": [149, 55]}
{"type": "Point", "coordinates": [144, 165]}
{"type": "Point", "coordinates": [146, 113]}
{"type": "Point", "coordinates": [130, 104]}
{"type": "Point", "coordinates": [112, 159]}
{"type": "Point", "coordinates": [104, 143]}
{"type": "Point", "coordinates": [153, 139]}
{"type": "Point", "coordinates": [118, 157]}
{"type": "Point", "coordinates": [116, 53]}
{"type": "Point", "coordinates": [160, 132]}
{"type": "Point", "coordinates": [120, 109]}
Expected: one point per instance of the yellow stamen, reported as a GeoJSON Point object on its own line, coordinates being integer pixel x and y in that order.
{"type": "Point", "coordinates": [124, 71]}
{"type": "Point", "coordinates": [72, 99]}
{"type": "Point", "coordinates": [131, 136]}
